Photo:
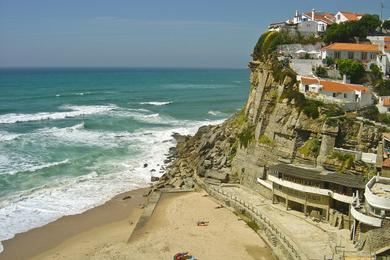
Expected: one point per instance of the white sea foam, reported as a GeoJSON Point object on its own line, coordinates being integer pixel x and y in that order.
{"type": "Point", "coordinates": [6, 136]}
{"type": "Point", "coordinates": [157, 103]}
{"type": "Point", "coordinates": [214, 113]}
{"type": "Point", "coordinates": [73, 111]}
{"type": "Point", "coordinates": [45, 204]}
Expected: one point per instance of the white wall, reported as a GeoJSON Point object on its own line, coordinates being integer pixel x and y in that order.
{"type": "Point", "coordinates": [357, 55]}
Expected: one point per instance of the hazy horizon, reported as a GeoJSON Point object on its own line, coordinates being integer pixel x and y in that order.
{"type": "Point", "coordinates": [148, 34]}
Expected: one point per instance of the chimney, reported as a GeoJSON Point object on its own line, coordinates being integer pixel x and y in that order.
{"type": "Point", "coordinates": [313, 12]}
{"type": "Point", "coordinates": [296, 13]}
{"type": "Point", "coordinates": [345, 80]}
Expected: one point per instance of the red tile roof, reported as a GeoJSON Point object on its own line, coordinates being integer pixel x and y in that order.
{"type": "Point", "coordinates": [309, 81]}
{"type": "Point", "coordinates": [387, 47]}
{"type": "Point", "coordinates": [352, 16]}
{"type": "Point", "coordinates": [333, 86]}
{"type": "Point", "coordinates": [352, 47]}
{"type": "Point", "coordinates": [386, 39]}
{"type": "Point", "coordinates": [327, 18]}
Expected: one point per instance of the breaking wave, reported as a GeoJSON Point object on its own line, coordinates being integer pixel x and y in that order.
{"type": "Point", "coordinates": [73, 111]}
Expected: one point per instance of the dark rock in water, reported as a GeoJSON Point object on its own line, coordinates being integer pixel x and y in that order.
{"type": "Point", "coordinates": [145, 165]}
{"type": "Point", "coordinates": [180, 138]}
{"type": "Point", "coordinates": [153, 178]}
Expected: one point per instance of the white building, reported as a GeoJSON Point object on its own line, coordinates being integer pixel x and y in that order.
{"type": "Point", "coordinates": [366, 53]}
{"type": "Point", "coordinates": [347, 16]}
{"type": "Point", "coordinates": [384, 104]}
{"type": "Point", "coordinates": [306, 23]}
{"type": "Point", "coordinates": [383, 58]}
{"type": "Point", "coordinates": [323, 19]}
{"type": "Point", "coordinates": [348, 96]}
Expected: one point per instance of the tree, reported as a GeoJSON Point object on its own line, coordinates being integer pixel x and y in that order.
{"type": "Point", "coordinates": [349, 31]}
{"type": "Point", "coordinates": [370, 22]}
{"type": "Point", "coordinates": [386, 25]}
{"type": "Point", "coordinates": [376, 72]}
{"type": "Point", "coordinates": [383, 87]}
{"type": "Point", "coordinates": [352, 68]}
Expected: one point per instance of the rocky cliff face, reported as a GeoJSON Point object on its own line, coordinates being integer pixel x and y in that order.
{"type": "Point", "coordinates": [269, 129]}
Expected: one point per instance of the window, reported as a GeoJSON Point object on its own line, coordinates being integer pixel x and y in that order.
{"type": "Point", "coordinates": [337, 55]}
{"type": "Point", "coordinates": [350, 55]}
{"type": "Point", "coordinates": [372, 56]}
{"type": "Point", "coordinates": [345, 95]}
{"type": "Point", "coordinates": [334, 94]}
{"type": "Point", "coordinates": [364, 55]}
{"type": "Point", "coordinates": [338, 17]}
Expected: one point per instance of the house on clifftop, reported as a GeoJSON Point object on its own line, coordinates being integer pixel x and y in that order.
{"type": "Point", "coordinates": [348, 96]}
{"type": "Point", "coordinates": [366, 53]}
{"type": "Point", "coordinates": [342, 17]}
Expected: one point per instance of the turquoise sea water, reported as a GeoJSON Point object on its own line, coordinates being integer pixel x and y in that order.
{"type": "Point", "coordinates": [70, 139]}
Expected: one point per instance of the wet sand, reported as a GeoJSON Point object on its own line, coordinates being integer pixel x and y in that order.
{"type": "Point", "coordinates": [35, 241]}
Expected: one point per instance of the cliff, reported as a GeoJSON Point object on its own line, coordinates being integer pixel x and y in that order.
{"type": "Point", "coordinates": [269, 129]}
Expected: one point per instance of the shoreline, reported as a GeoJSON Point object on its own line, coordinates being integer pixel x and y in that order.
{"type": "Point", "coordinates": [103, 232]}
{"type": "Point", "coordinates": [41, 239]}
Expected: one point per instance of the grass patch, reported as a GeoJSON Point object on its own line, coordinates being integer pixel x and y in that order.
{"type": "Point", "coordinates": [347, 160]}
{"type": "Point", "coordinates": [246, 136]}
{"type": "Point", "coordinates": [264, 139]}
{"type": "Point", "coordinates": [311, 148]}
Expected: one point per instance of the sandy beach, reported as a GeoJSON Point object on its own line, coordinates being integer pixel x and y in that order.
{"type": "Point", "coordinates": [171, 229]}
{"type": "Point", "coordinates": [125, 206]}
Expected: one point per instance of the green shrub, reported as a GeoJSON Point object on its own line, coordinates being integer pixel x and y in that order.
{"type": "Point", "coordinates": [307, 106]}
{"type": "Point", "coordinates": [246, 136]}
{"type": "Point", "coordinates": [382, 87]}
{"type": "Point", "coordinates": [346, 159]}
{"type": "Point", "coordinates": [320, 72]}
{"type": "Point", "coordinates": [311, 147]}
{"type": "Point", "coordinates": [311, 108]}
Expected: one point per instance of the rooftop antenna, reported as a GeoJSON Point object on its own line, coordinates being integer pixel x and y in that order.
{"type": "Point", "coordinates": [382, 11]}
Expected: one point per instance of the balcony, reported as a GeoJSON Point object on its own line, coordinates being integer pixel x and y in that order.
{"type": "Point", "coordinates": [366, 219]}
{"type": "Point", "coordinates": [309, 189]}
{"type": "Point", "coordinates": [373, 200]}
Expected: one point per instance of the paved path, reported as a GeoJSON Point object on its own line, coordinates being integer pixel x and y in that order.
{"type": "Point", "coordinates": [316, 240]}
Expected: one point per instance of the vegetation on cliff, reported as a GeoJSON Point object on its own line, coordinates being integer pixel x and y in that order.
{"type": "Point", "coordinates": [311, 148]}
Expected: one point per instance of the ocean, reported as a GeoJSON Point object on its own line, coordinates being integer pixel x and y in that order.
{"type": "Point", "coordinates": [71, 139]}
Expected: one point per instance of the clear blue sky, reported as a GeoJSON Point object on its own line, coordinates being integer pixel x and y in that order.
{"type": "Point", "coordinates": [145, 33]}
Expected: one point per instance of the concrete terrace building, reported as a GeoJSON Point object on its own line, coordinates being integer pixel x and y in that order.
{"type": "Point", "coordinates": [314, 192]}
{"type": "Point", "coordinates": [366, 53]}
{"type": "Point", "coordinates": [348, 96]}
{"type": "Point", "coordinates": [341, 17]}
{"type": "Point", "coordinates": [374, 211]}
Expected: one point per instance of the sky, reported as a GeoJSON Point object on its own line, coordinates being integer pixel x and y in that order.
{"type": "Point", "coordinates": [146, 33]}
